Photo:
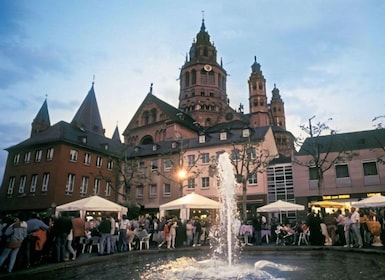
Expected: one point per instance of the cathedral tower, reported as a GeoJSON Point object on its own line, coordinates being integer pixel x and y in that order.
{"type": "Point", "coordinates": [203, 83]}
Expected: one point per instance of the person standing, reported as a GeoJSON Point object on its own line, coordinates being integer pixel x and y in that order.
{"type": "Point", "coordinates": [173, 226]}
{"type": "Point", "coordinates": [340, 221]}
{"type": "Point", "coordinates": [15, 234]}
{"type": "Point", "coordinates": [355, 218]}
{"type": "Point", "coordinates": [257, 226]}
{"type": "Point", "coordinates": [124, 226]}
{"type": "Point", "coordinates": [105, 232]}
{"type": "Point", "coordinates": [347, 224]}
{"type": "Point", "coordinates": [198, 232]}
{"type": "Point", "coordinates": [79, 231]}
{"type": "Point", "coordinates": [61, 228]}
{"type": "Point", "coordinates": [161, 238]}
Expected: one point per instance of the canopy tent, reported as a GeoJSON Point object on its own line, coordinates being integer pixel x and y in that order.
{"type": "Point", "coordinates": [92, 203]}
{"type": "Point", "coordinates": [187, 202]}
{"type": "Point", "coordinates": [373, 201]}
{"type": "Point", "coordinates": [327, 204]}
{"type": "Point", "coordinates": [280, 206]}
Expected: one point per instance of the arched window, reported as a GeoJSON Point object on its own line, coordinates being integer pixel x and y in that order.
{"type": "Point", "coordinates": [153, 115]}
{"type": "Point", "coordinates": [193, 77]}
{"type": "Point", "coordinates": [145, 117]}
{"type": "Point", "coordinates": [186, 79]}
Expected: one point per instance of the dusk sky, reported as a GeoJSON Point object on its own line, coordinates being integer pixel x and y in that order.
{"type": "Point", "coordinates": [326, 57]}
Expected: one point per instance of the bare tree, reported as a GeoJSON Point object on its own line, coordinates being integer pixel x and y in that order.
{"type": "Point", "coordinates": [324, 151]}
{"type": "Point", "coordinates": [248, 159]}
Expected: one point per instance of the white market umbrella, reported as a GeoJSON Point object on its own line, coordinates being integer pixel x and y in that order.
{"type": "Point", "coordinates": [280, 206]}
{"type": "Point", "coordinates": [373, 201]}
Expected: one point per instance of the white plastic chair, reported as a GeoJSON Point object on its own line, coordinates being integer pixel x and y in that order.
{"type": "Point", "coordinates": [145, 241]}
{"type": "Point", "coordinates": [303, 237]}
{"type": "Point", "coordinates": [94, 242]}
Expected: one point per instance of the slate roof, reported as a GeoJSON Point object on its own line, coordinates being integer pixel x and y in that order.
{"type": "Point", "coordinates": [361, 140]}
{"type": "Point", "coordinates": [42, 116]}
{"type": "Point", "coordinates": [213, 139]}
{"type": "Point", "coordinates": [88, 116]}
{"type": "Point", "coordinates": [63, 132]}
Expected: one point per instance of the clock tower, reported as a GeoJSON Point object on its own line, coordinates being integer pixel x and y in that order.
{"type": "Point", "coordinates": [203, 84]}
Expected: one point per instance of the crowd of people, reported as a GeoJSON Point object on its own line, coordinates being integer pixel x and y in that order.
{"type": "Point", "coordinates": [348, 228]}
{"type": "Point", "coordinates": [30, 241]}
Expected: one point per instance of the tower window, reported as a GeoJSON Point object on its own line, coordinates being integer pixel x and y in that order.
{"type": "Point", "coordinates": [202, 93]}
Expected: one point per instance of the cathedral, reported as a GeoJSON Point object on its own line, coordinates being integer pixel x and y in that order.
{"type": "Point", "coordinates": [64, 162]}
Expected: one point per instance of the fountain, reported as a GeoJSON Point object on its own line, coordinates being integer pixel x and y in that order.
{"type": "Point", "coordinates": [225, 260]}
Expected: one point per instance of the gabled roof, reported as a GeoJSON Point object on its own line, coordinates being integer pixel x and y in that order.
{"type": "Point", "coordinates": [360, 140]}
{"type": "Point", "coordinates": [88, 116]}
{"type": "Point", "coordinates": [172, 113]}
{"type": "Point", "coordinates": [116, 135]}
{"type": "Point", "coordinates": [63, 132]}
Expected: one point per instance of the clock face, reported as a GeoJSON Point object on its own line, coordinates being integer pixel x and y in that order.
{"type": "Point", "coordinates": [207, 67]}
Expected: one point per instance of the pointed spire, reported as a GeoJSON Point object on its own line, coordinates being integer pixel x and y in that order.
{"type": "Point", "coordinates": [116, 135]}
{"type": "Point", "coordinates": [88, 116]}
{"type": "Point", "coordinates": [203, 27]}
{"type": "Point", "coordinates": [41, 122]}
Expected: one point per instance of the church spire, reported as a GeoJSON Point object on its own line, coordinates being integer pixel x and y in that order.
{"type": "Point", "coordinates": [116, 135]}
{"type": "Point", "coordinates": [41, 122]}
{"type": "Point", "coordinates": [88, 116]}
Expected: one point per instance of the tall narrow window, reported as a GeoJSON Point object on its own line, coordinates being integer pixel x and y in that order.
{"type": "Point", "coordinates": [84, 186]}
{"type": "Point", "coordinates": [44, 186]}
{"type": "Point", "coordinates": [191, 184]}
{"type": "Point", "coordinates": [23, 179]}
{"type": "Point", "coordinates": [108, 189]}
{"type": "Point", "coordinates": [73, 155]}
{"type": "Point", "coordinates": [32, 189]}
{"type": "Point", "coordinates": [27, 157]}
{"type": "Point", "coordinates": [154, 164]}
{"type": "Point", "coordinates": [38, 155]}
{"type": "Point", "coordinates": [70, 184]}
{"type": "Point", "coordinates": [49, 154]}
{"type": "Point", "coordinates": [167, 164]}
{"type": "Point", "coordinates": [16, 159]}
{"type": "Point", "coordinates": [110, 164]}
{"type": "Point", "coordinates": [87, 159]}
{"type": "Point", "coordinates": [166, 190]}
{"type": "Point", "coordinates": [96, 190]}
{"type": "Point", "coordinates": [11, 185]}
{"type": "Point", "coordinates": [139, 191]}
{"type": "Point", "coordinates": [99, 161]}
{"type": "Point", "coordinates": [205, 157]}
{"type": "Point", "coordinates": [191, 160]}
{"type": "Point", "coordinates": [153, 190]}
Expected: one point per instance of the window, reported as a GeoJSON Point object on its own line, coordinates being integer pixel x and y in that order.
{"type": "Point", "coordinates": [205, 157]}
{"type": "Point", "coordinates": [202, 138]}
{"type": "Point", "coordinates": [11, 185]}
{"type": "Point", "coordinates": [191, 184]}
{"type": "Point", "coordinates": [205, 182]}
{"type": "Point", "coordinates": [191, 160]}
{"type": "Point", "coordinates": [16, 159]}
{"type": "Point", "coordinates": [139, 191]}
{"type": "Point", "coordinates": [27, 157]}
{"type": "Point", "coordinates": [370, 168]}
{"type": "Point", "coordinates": [32, 189]}
{"type": "Point", "coordinates": [245, 132]}
{"type": "Point", "coordinates": [342, 171]}
{"type": "Point", "coordinates": [44, 186]}
{"type": "Point", "coordinates": [108, 189]}
{"type": "Point", "coordinates": [99, 161]}
{"type": "Point", "coordinates": [253, 179]}
{"type": "Point", "coordinates": [70, 184]}
{"type": "Point", "coordinates": [154, 164]}
{"type": "Point", "coordinates": [251, 154]}
{"type": "Point", "coordinates": [49, 154]}
{"type": "Point", "coordinates": [96, 189]}
{"type": "Point", "coordinates": [87, 159]}
{"type": "Point", "coordinates": [84, 186]}
{"type": "Point", "coordinates": [153, 190]}
{"type": "Point", "coordinates": [167, 164]}
{"type": "Point", "coordinates": [38, 155]}
{"type": "Point", "coordinates": [166, 190]}
{"type": "Point", "coordinates": [313, 173]}
{"type": "Point", "coordinates": [236, 155]}
{"type": "Point", "coordinates": [73, 155]}
{"type": "Point", "coordinates": [223, 136]}
{"type": "Point", "coordinates": [23, 179]}
{"type": "Point", "coordinates": [110, 164]}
